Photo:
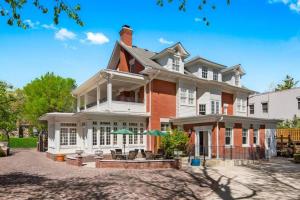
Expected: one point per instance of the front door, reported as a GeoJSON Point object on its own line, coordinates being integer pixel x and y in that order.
{"type": "Point", "coordinates": [203, 143]}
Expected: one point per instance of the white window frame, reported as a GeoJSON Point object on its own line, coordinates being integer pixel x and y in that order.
{"type": "Point", "coordinates": [191, 96]}
{"type": "Point", "coordinates": [237, 80]}
{"type": "Point", "coordinates": [262, 107]}
{"type": "Point", "coordinates": [164, 126]}
{"type": "Point", "coordinates": [247, 137]}
{"type": "Point", "coordinates": [215, 106]}
{"type": "Point", "coordinates": [204, 72]}
{"type": "Point", "coordinates": [201, 110]}
{"type": "Point", "coordinates": [225, 109]}
{"type": "Point", "coordinates": [257, 143]}
{"type": "Point", "coordinates": [176, 63]}
{"type": "Point", "coordinates": [183, 95]}
{"type": "Point", "coordinates": [215, 75]}
{"type": "Point", "coordinates": [231, 136]}
{"type": "Point", "coordinates": [66, 136]}
{"type": "Point", "coordinates": [251, 106]}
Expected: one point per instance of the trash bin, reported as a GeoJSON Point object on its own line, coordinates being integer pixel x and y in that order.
{"type": "Point", "coordinates": [196, 162]}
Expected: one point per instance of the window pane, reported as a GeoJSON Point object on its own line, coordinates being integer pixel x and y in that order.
{"type": "Point", "coordinates": [204, 72]}
{"type": "Point", "coordinates": [217, 107]}
{"type": "Point", "coordinates": [228, 136]}
{"type": "Point", "coordinates": [130, 137]}
{"type": "Point", "coordinates": [115, 137]}
{"type": "Point", "coordinates": [141, 135]}
{"type": "Point", "coordinates": [245, 136]}
{"type": "Point", "coordinates": [212, 107]}
{"type": "Point", "coordinates": [135, 136]}
{"type": "Point", "coordinates": [73, 136]}
{"type": "Point", "coordinates": [102, 132]}
{"type": "Point", "coordinates": [63, 136]}
{"type": "Point", "coordinates": [94, 136]}
{"type": "Point", "coordinates": [108, 135]}
{"type": "Point", "coordinates": [202, 109]}
{"type": "Point", "coordinates": [215, 76]}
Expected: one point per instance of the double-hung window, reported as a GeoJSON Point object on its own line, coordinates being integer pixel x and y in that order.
{"type": "Point", "coordinates": [239, 104]}
{"type": "Point", "coordinates": [202, 109]}
{"type": "Point", "coordinates": [228, 136]}
{"type": "Point", "coordinates": [183, 95]}
{"type": "Point", "coordinates": [64, 136]}
{"type": "Point", "coordinates": [164, 126]}
{"type": "Point", "coordinates": [265, 107]}
{"type": "Point", "coordinates": [102, 136]}
{"type": "Point", "coordinates": [245, 136]}
{"type": "Point", "coordinates": [298, 99]}
{"type": "Point", "coordinates": [215, 75]}
{"type": "Point", "coordinates": [212, 104]}
{"type": "Point", "coordinates": [204, 72]}
{"type": "Point", "coordinates": [237, 80]}
{"type": "Point", "coordinates": [176, 63]}
{"type": "Point", "coordinates": [215, 107]}
{"type": "Point", "coordinates": [108, 133]}
{"type": "Point", "coordinates": [191, 96]}
{"type": "Point", "coordinates": [251, 109]}
{"type": "Point", "coordinates": [115, 136]}
{"type": "Point", "coordinates": [135, 136]}
{"type": "Point", "coordinates": [256, 137]}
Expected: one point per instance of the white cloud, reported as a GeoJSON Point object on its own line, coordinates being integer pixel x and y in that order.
{"type": "Point", "coordinates": [64, 34]}
{"type": "Point", "coordinates": [294, 5]}
{"type": "Point", "coordinates": [31, 24]}
{"type": "Point", "coordinates": [164, 41]}
{"type": "Point", "coordinates": [95, 38]}
{"type": "Point", "coordinates": [49, 26]}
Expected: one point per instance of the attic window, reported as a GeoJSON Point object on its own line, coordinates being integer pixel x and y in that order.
{"type": "Point", "coordinates": [237, 80]}
{"type": "Point", "coordinates": [176, 61]}
{"type": "Point", "coordinates": [204, 72]}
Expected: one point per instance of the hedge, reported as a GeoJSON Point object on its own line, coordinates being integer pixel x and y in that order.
{"type": "Point", "coordinates": [29, 142]}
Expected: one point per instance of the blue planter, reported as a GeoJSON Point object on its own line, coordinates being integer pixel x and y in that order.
{"type": "Point", "coordinates": [195, 162]}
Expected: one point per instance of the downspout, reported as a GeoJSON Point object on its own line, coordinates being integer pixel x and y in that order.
{"type": "Point", "coordinates": [218, 120]}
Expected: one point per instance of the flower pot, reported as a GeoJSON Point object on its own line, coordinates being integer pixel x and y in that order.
{"type": "Point", "coordinates": [195, 162]}
{"type": "Point", "coordinates": [60, 157]}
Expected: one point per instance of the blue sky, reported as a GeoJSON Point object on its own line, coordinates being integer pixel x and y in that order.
{"type": "Point", "coordinates": [262, 35]}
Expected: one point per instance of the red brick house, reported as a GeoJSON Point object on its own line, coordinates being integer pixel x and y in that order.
{"type": "Point", "coordinates": [141, 89]}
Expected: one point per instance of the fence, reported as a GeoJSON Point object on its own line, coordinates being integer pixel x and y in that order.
{"type": "Point", "coordinates": [292, 133]}
{"type": "Point", "coordinates": [234, 152]}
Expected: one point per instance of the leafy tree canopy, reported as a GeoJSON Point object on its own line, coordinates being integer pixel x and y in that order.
{"type": "Point", "coordinates": [294, 123]}
{"type": "Point", "coordinates": [288, 83]}
{"type": "Point", "coordinates": [201, 5]}
{"type": "Point", "coordinates": [11, 10]}
{"type": "Point", "coordinates": [9, 108]}
{"type": "Point", "coordinates": [49, 93]}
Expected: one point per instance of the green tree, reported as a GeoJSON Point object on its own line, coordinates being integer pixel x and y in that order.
{"type": "Point", "coordinates": [9, 109]}
{"type": "Point", "coordinates": [49, 93]}
{"type": "Point", "coordinates": [202, 5]}
{"type": "Point", "coordinates": [11, 10]}
{"type": "Point", "coordinates": [175, 140]}
{"type": "Point", "coordinates": [288, 83]}
{"type": "Point", "coordinates": [294, 123]}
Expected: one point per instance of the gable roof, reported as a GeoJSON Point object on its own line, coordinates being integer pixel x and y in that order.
{"type": "Point", "coordinates": [171, 50]}
{"type": "Point", "coordinates": [200, 59]}
{"type": "Point", "coordinates": [235, 67]}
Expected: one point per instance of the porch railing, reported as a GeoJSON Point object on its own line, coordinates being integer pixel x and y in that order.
{"type": "Point", "coordinates": [233, 152]}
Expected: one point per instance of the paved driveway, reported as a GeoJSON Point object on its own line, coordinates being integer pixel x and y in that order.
{"type": "Point", "coordinates": [30, 175]}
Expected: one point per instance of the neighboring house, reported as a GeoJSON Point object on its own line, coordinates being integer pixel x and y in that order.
{"type": "Point", "coordinates": [141, 90]}
{"type": "Point", "coordinates": [275, 105]}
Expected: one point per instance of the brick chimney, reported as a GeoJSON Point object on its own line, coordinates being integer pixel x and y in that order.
{"type": "Point", "coordinates": [126, 35]}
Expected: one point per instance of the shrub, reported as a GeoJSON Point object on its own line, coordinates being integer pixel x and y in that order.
{"type": "Point", "coordinates": [176, 140]}
{"type": "Point", "coordinates": [297, 157]}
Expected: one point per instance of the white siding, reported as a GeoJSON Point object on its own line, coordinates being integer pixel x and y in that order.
{"type": "Point", "coordinates": [185, 109]}
{"type": "Point", "coordinates": [235, 104]}
{"type": "Point", "coordinates": [281, 105]}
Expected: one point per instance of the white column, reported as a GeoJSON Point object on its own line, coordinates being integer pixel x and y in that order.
{"type": "Point", "coordinates": [85, 101]}
{"type": "Point", "coordinates": [78, 103]}
{"type": "Point", "coordinates": [136, 92]}
{"type": "Point", "coordinates": [98, 95]}
{"type": "Point", "coordinates": [109, 93]}
{"type": "Point", "coordinates": [57, 136]}
{"type": "Point", "coordinates": [196, 143]}
{"type": "Point", "coordinates": [209, 143]}
{"type": "Point", "coordinates": [145, 97]}
{"type": "Point", "coordinates": [89, 128]}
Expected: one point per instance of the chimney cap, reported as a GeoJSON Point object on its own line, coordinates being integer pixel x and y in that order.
{"type": "Point", "coordinates": [126, 26]}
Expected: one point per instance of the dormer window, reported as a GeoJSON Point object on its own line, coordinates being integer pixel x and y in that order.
{"type": "Point", "coordinates": [204, 72]}
{"type": "Point", "coordinates": [176, 63]}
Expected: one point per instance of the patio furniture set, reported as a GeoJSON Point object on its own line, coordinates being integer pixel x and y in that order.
{"type": "Point", "coordinates": [132, 155]}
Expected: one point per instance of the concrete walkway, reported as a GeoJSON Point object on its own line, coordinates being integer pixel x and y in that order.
{"type": "Point", "coordinates": [28, 174]}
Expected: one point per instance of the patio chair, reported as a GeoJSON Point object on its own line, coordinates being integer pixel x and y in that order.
{"type": "Point", "coordinates": [113, 154]}
{"type": "Point", "coordinates": [143, 153]}
{"type": "Point", "coordinates": [149, 155]}
{"type": "Point", "coordinates": [160, 154]}
{"type": "Point", "coordinates": [118, 151]}
{"type": "Point", "coordinates": [132, 155]}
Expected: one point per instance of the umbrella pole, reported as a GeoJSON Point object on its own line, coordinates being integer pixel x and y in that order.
{"type": "Point", "coordinates": [124, 148]}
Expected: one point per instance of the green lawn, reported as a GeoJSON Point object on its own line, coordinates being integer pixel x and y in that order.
{"type": "Point", "coordinates": [29, 142]}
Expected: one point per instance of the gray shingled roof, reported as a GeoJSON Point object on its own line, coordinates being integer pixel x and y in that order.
{"type": "Point", "coordinates": [142, 55]}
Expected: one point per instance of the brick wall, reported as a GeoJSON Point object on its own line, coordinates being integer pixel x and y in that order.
{"type": "Point", "coordinates": [227, 99]}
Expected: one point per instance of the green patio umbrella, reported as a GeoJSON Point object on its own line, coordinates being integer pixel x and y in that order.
{"type": "Point", "coordinates": [155, 133]}
{"type": "Point", "coordinates": [123, 132]}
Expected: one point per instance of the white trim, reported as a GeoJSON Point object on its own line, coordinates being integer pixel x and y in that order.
{"type": "Point", "coordinates": [207, 129]}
